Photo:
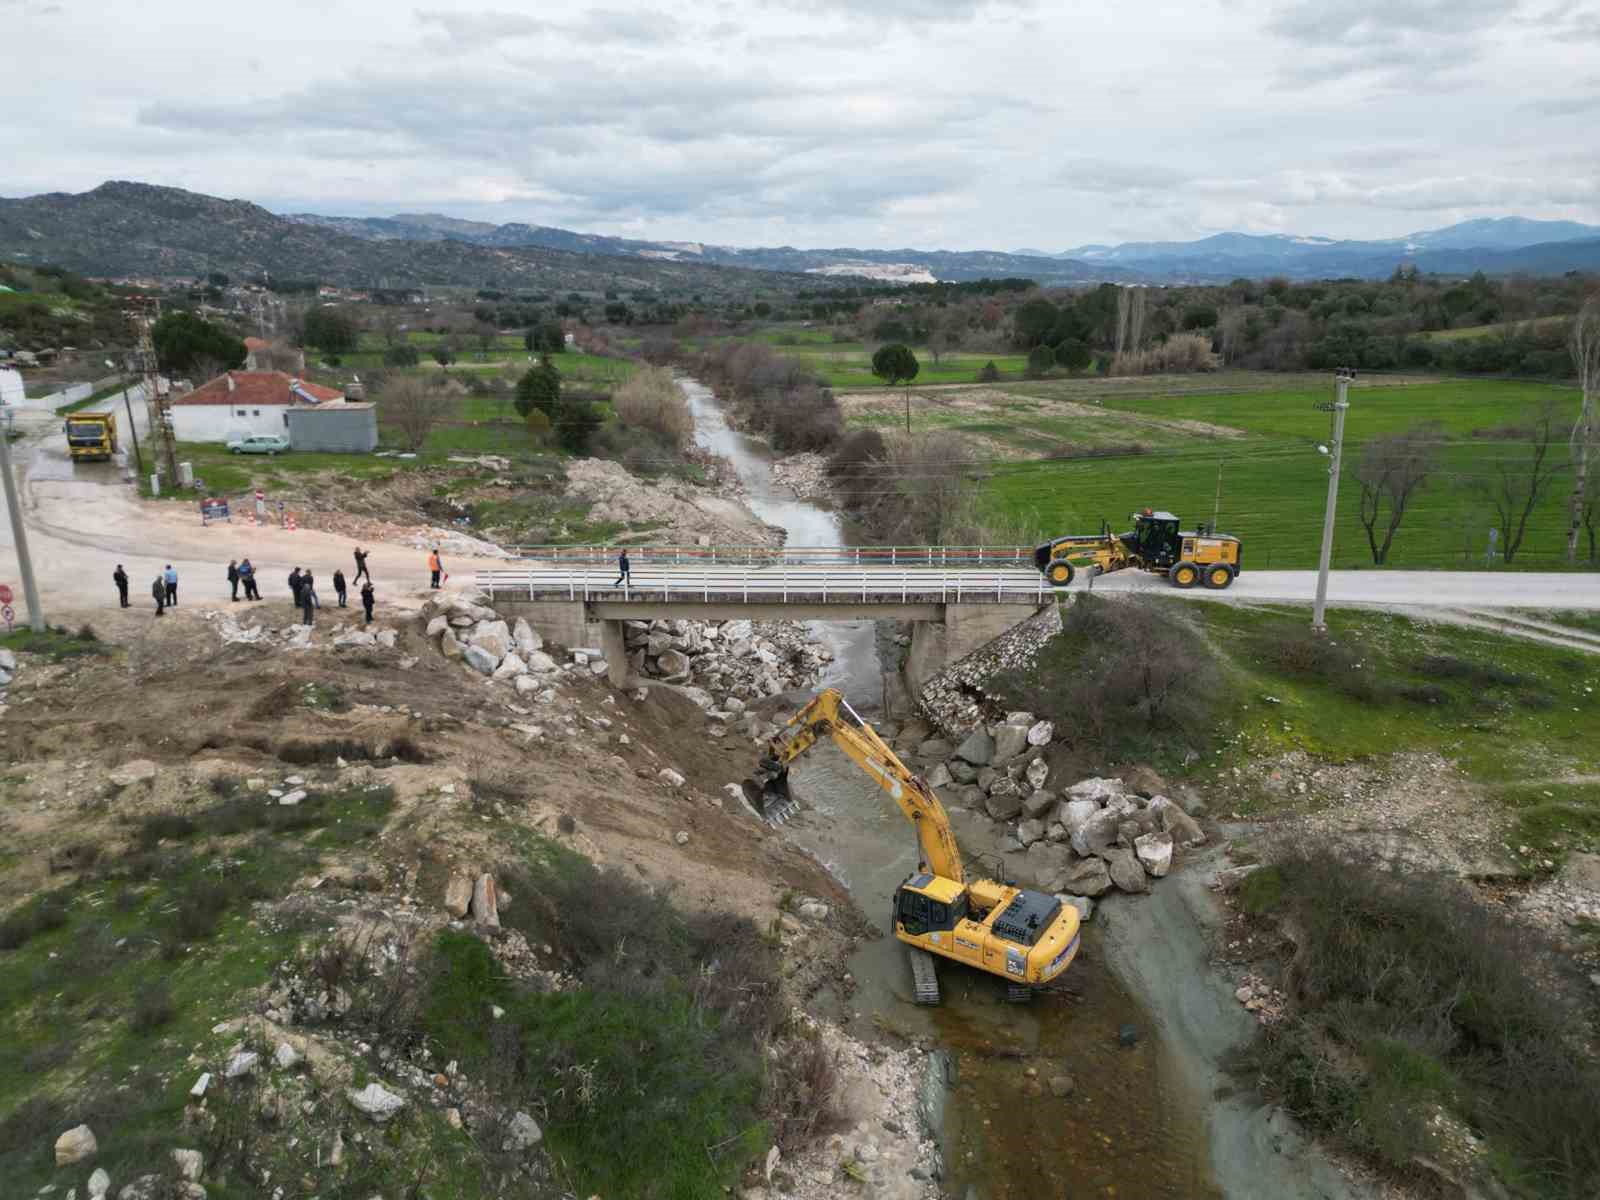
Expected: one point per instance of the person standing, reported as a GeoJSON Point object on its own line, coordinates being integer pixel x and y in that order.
{"type": "Point", "coordinates": [624, 571]}
{"type": "Point", "coordinates": [306, 610]}
{"type": "Point", "coordinates": [435, 567]}
{"type": "Point", "coordinates": [158, 589]}
{"type": "Point", "coordinates": [308, 585]}
{"type": "Point", "coordinates": [170, 577]}
{"type": "Point", "coordinates": [120, 578]}
{"type": "Point", "coordinates": [247, 576]}
{"type": "Point", "coordinates": [367, 599]}
{"type": "Point", "coordinates": [233, 578]}
{"type": "Point", "coordinates": [294, 586]}
{"type": "Point", "coordinates": [361, 565]}
{"type": "Point", "coordinates": [339, 586]}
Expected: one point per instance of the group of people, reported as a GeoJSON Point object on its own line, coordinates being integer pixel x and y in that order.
{"type": "Point", "coordinates": [242, 573]}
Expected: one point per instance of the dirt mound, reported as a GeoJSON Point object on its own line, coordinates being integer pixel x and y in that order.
{"type": "Point", "coordinates": [679, 511]}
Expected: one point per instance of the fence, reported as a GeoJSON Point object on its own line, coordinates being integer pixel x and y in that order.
{"type": "Point", "coordinates": [910, 556]}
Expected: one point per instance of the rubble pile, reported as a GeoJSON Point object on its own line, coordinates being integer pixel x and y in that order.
{"type": "Point", "coordinates": [736, 661]}
{"type": "Point", "coordinates": [674, 510]}
{"type": "Point", "coordinates": [474, 635]}
{"type": "Point", "coordinates": [1079, 841]}
{"type": "Point", "coordinates": [956, 700]}
{"type": "Point", "coordinates": [806, 475]}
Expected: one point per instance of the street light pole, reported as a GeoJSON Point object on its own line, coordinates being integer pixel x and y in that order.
{"type": "Point", "coordinates": [1340, 405]}
{"type": "Point", "coordinates": [19, 534]}
{"type": "Point", "coordinates": [132, 432]}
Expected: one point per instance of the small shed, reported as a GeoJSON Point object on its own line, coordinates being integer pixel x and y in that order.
{"type": "Point", "coordinates": [349, 428]}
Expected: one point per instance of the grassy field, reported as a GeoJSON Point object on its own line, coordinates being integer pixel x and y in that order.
{"type": "Point", "coordinates": [1259, 446]}
{"type": "Point", "coordinates": [849, 364]}
{"type": "Point", "coordinates": [1498, 329]}
{"type": "Point", "coordinates": [506, 355]}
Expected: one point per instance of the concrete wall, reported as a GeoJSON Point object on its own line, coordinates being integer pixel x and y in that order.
{"type": "Point", "coordinates": [224, 422]}
{"type": "Point", "coordinates": [561, 621]}
{"type": "Point", "coordinates": [346, 428]}
{"type": "Point", "coordinates": [965, 628]}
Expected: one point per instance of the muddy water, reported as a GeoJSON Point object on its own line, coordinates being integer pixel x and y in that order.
{"type": "Point", "coordinates": [1130, 1127]}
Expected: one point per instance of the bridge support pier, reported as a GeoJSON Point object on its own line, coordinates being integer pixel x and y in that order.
{"type": "Point", "coordinates": [614, 645]}
{"type": "Point", "coordinates": [937, 644]}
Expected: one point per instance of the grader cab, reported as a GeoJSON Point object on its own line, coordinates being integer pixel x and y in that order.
{"type": "Point", "coordinates": [1154, 544]}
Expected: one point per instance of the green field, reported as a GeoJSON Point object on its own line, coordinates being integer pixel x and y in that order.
{"type": "Point", "coordinates": [1262, 446]}
{"type": "Point", "coordinates": [506, 355]}
{"type": "Point", "coordinates": [1500, 329]}
{"type": "Point", "coordinates": [845, 365]}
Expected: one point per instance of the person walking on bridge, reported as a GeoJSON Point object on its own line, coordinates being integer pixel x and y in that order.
{"type": "Point", "coordinates": [624, 570]}
{"type": "Point", "coordinates": [120, 578]}
{"type": "Point", "coordinates": [158, 589]}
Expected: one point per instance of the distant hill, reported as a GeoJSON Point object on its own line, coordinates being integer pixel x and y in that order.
{"type": "Point", "coordinates": [137, 229]}
{"type": "Point", "coordinates": [1493, 244]}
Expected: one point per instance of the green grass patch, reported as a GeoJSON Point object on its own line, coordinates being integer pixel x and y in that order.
{"type": "Point", "coordinates": [114, 389]}
{"type": "Point", "coordinates": [55, 643]}
{"type": "Point", "coordinates": [1553, 819]}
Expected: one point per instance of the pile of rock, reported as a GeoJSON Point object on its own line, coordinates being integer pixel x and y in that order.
{"type": "Point", "coordinates": [1095, 835]}
{"type": "Point", "coordinates": [736, 660]}
{"type": "Point", "coordinates": [806, 475]}
{"type": "Point", "coordinates": [8, 671]}
{"type": "Point", "coordinates": [473, 634]}
{"type": "Point", "coordinates": [956, 699]}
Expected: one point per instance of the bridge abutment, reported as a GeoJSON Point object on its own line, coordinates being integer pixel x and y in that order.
{"type": "Point", "coordinates": [962, 629]}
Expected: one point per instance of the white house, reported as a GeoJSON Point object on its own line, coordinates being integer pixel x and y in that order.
{"type": "Point", "coordinates": [240, 403]}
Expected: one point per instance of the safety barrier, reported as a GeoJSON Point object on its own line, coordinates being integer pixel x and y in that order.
{"type": "Point", "coordinates": [958, 556]}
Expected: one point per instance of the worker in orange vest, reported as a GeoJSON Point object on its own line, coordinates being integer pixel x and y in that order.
{"type": "Point", "coordinates": [435, 568]}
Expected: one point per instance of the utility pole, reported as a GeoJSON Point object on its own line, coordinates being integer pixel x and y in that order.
{"type": "Point", "coordinates": [19, 535]}
{"type": "Point", "coordinates": [1216, 509]}
{"type": "Point", "coordinates": [127, 406]}
{"type": "Point", "coordinates": [145, 316]}
{"type": "Point", "coordinates": [1341, 403]}
{"type": "Point", "coordinates": [908, 410]}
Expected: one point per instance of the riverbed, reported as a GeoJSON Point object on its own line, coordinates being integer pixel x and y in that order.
{"type": "Point", "coordinates": [1134, 1041]}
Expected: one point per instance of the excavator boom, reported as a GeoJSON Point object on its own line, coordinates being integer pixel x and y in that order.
{"type": "Point", "coordinates": [830, 715]}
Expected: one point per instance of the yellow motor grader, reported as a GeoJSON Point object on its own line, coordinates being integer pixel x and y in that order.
{"type": "Point", "coordinates": [1155, 544]}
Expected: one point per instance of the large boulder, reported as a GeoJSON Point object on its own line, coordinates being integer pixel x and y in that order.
{"type": "Point", "coordinates": [1184, 829]}
{"type": "Point", "coordinates": [525, 638]}
{"type": "Point", "coordinates": [1075, 814]}
{"type": "Point", "coordinates": [1038, 772]}
{"type": "Point", "coordinates": [1098, 834]}
{"type": "Point", "coordinates": [1154, 851]}
{"type": "Point", "coordinates": [437, 626]}
{"type": "Point", "coordinates": [673, 664]}
{"type": "Point", "coordinates": [1040, 733]}
{"type": "Point", "coordinates": [962, 771]}
{"type": "Point", "coordinates": [934, 748]}
{"type": "Point", "coordinates": [978, 749]}
{"type": "Point", "coordinates": [75, 1145]}
{"type": "Point", "coordinates": [510, 667]}
{"type": "Point", "coordinates": [1029, 832]}
{"type": "Point", "coordinates": [1088, 877]}
{"type": "Point", "coordinates": [1145, 780]}
{"type": "Point", "coordinates": [539, 661]}
{"type": "Point", "coordinates": [939, 776]}
{"type": "Point", "coordinates": [1009, 741]}
{"type": "Point", "coordinates": [376, 1101]}
{"type": "Point", "coordinates": [1037, 804]}
{"type": "Point", "coordinates": [450, 646]}
{"type": "Point", "coordinates": [1047, 865]}
{"type": "Point", "coordinates": [987, 777]}
{"type": "Point", "coordinates": [493, 636]}
{"type": "Point", "coordinates": [1095, 789]}
{"type": "Point", "coordinates": [1004, 802]}
{"type": "Point", "coordinates": [480, 660]}
{"type": "Point", "coordinates": [1125, 870]}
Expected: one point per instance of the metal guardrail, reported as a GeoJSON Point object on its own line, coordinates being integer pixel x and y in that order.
{"type": "Point", "coordinates": [777, 583]}
{"type": "Point", "coordinates": [958, 556]}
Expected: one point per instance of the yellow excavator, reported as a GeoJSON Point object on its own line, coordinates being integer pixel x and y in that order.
{"type": "Point", "coordinates": [1155, 544]}
{"type": "Point", "coordinates": [1026, 938]}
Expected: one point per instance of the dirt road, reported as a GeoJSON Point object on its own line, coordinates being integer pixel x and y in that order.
{"type": "Point", "coordinates": [82, 520]}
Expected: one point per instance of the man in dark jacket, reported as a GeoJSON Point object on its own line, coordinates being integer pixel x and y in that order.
{"type": "Point", "coordinates": [367, 599]}
{"type": "Point", "coordinates": [339, 586]}
{"type": "Point", "coordinates": [624, 571]}
{"type": "Point", "coordinates": [120, 578]}
{"type": "Point", "coordinates": [158, 589]}
{"type": "Point", "coordinates": [294, 586]}
{"type": "Point", "coordinates": [233, 578]}
{"type": "Point", "coordinates": [306, 609]}
{"type": "Point", "coordinates": [361, 565]}
{"type": "Point", "coordinates": [308, 587]}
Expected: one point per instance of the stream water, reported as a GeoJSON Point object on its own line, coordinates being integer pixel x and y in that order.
{"type": "Point", "coordinates": [1131, 1127]}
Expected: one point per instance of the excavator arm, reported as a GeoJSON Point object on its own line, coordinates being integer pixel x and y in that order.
{"type": "Point", "coordinates": [830, 715]}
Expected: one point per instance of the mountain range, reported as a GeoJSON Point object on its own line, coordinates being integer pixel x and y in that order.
{"type": "Point", "coordinates": [136, 229]}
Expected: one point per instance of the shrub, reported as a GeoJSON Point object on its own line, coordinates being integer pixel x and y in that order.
{"type": "Point", "coordinates": [1180, 354]}
{"type": "Point", "coordinates": [39, 915]}
{"type": "Point", "coordinates": [152, 1007]}
{"type": "Point", "coordinates": [989, 373]}
{"type": "Point", "coordinates": [1411, 992]}
{"type": "Point", "coordinates": [652, 400]}
{"type": "Point", "coordinates": [1123, 674]}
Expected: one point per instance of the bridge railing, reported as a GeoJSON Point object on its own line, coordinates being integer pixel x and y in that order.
{"type": "Point", "coordinates": [774, 584]}
{"type": "Point", "coordinates": [954, 556]}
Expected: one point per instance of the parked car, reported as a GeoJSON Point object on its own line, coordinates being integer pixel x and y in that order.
{"type": "Point", "coordinates": [260, 443]}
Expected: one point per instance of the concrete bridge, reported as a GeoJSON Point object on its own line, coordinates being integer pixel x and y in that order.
{"type": "Point", "coordinates": [953, 609]}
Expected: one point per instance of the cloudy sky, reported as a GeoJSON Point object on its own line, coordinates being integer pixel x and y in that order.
{"type": "Point", "coordinates": [961, 124]}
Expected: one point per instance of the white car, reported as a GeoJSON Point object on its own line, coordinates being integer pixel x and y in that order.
{"type": "Point", "coordinates": [259, 443]}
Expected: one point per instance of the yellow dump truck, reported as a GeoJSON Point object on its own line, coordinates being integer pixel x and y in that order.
{"type": "Point", "coordinates": [91, 436]}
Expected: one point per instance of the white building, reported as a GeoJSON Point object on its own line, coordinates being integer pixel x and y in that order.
{"type": "Point", "coordinates": [240, 403]}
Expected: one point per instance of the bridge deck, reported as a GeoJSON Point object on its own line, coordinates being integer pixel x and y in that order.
{"type": "Point", "coordinates": [778, 583]}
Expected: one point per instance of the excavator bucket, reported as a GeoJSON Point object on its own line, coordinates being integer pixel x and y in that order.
{"type": "Point", "coordinates": [768, 790]}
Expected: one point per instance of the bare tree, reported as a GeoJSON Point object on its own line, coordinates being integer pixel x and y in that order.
{"type": "Point", "coordinates": [1515, 485]}
{"type": "Point", "coordinates": [413, 404]}
{"type": "Point", "coordinates": [1584, 342]}
{"type": "Point", "coordinates": [1136, 321]}
{"type": "Point", "coordinates": [1392, 470]}
{"type": "Point", "coordinates": [1124, 303]}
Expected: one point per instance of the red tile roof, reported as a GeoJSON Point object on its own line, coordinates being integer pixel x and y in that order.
{"type": "Point", "coordinates": [255, 343]}
{"type": "Point", "coordinates": [251, 389]}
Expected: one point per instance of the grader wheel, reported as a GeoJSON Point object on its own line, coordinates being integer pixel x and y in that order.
{"type": "Point", "coordinates": [1184, 575]}
{"type": "Point", "coordinates": [1218, 576]}
{"type": "Point", "coordinates": [1059, 573]}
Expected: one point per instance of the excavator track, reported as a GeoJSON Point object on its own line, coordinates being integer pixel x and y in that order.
{"type": "Point", "coordinates": [924, 976]}
{"type": "Point", "coordinates": [1018, 993]}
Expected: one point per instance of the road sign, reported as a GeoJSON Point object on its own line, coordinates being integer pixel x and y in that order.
{"type": "Point", "coordinates": [5, 593]}
{"type": "Point", "coordinates": [214, 508]}
{"type": "Point", "coordinates": [10, 614]}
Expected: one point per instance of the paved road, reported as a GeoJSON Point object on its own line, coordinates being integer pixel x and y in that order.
{"type": "Point", "coordinates": [1387, 589]}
